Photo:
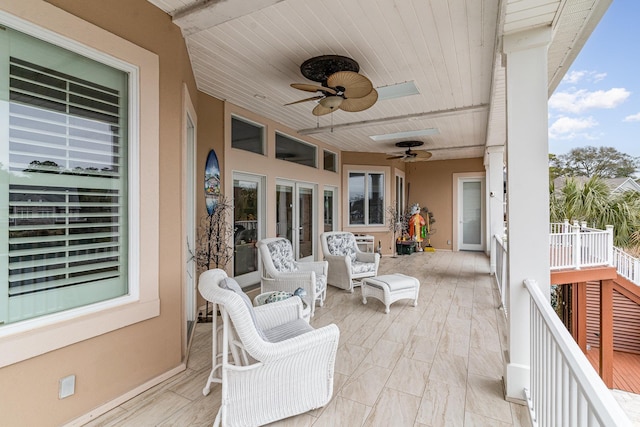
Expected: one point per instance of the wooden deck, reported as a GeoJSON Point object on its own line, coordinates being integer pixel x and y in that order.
{"type": "Point", "coordinates": [626, 369]}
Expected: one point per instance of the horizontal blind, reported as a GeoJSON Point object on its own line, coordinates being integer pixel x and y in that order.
{"type": "Point", "coordinates": [67, 198]}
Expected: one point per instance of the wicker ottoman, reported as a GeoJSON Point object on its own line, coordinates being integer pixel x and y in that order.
{"type": "Point", "coordinates": [390, 288]}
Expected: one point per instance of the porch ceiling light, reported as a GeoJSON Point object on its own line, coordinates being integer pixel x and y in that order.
{"type": "Point", "coordinates": [406, 134]}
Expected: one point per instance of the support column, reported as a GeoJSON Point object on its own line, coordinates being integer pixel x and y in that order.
{"type": "Point", "coordinates": [495, 190]}
{"type": "Point", "coordinates": [527, 192]}
{"type": "Point", "coordinates": [579, 313]}
{"type": "Point", "coordinates": [606, 332]}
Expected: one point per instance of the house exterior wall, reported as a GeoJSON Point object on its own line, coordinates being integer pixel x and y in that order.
{"type": "Point", "coordinates": [431, 185]}
{"type": "Point", "coordinates": [112, 364]}
{"type": "Point", "coordinates": [273, 169]}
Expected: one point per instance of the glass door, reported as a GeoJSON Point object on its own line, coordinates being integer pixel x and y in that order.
{"type": "Point", "coordinates": [330, 208]}
{"type": "Point", "coordinates": [306, 215]}
{"type": "Point", "coordinates": [470, 213]}
{"type": "Point", "coordinates": [295, 216]}
{"type": "Point", "coordinates": [248, 217]}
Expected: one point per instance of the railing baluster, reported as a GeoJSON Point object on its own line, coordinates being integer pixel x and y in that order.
{"type": "Point", "coordinates": [565, 389]}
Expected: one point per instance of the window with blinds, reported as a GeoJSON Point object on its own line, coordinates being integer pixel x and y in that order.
{"type": "Point", "coordinates": [64, 181]}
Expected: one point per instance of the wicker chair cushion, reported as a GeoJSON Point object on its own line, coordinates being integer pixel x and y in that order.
{"type": "Point", "coordinates": [287, 330]}
{"type": "Point", "coordinates": [282, 255]}
{"type": "Point", "coordinates": [342, 244]}
{"type": "Point", "coordinates": [358, 267]}
{"type": "Point", "coordinates": [230, 284]}
{"type": "Point", "coordinates": [321, 283]}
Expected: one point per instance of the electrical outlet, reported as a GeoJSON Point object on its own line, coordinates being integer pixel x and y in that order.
{"type": "Point", "coordinates": [67, 386]}
{"type": "Point", "coordinates": [448, 242]}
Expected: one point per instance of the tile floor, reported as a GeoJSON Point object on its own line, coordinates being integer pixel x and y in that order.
{"type": "Point", "coordinates": [437, 364]}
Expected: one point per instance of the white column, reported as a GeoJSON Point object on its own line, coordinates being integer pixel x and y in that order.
{"type": "Point", "coordinates": [495, 206]}
{"type": "Point", "coordinates": [527, 191]}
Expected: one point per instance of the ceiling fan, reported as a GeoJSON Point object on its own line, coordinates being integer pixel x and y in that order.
{"type": "Point", "coordinates": [410, 155]}
{"type": "Point", "coordinates": [342, 88]}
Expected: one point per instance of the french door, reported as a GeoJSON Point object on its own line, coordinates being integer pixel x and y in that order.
{"type": "Point", "coordinates": [295, 216]}
{"type": "Point", "coordinates": [248, 226]}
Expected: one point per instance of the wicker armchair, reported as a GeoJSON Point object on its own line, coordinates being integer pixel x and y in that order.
{"type": "Point", "coordinates": [281, 272]}
{"type": "Point", "coordinates": [347, 263]}
{"type": "Point", "coordinates": [273, 365]}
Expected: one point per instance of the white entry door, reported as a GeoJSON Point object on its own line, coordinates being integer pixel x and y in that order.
{"type": "Point", "coordinates": [470, 214]}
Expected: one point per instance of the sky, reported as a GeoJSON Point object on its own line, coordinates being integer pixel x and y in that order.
{"type": "Point", "coordinates": [598, 101]}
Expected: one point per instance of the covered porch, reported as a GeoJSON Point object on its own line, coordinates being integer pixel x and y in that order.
{"type": "Point", "coordinates": [436, 364]}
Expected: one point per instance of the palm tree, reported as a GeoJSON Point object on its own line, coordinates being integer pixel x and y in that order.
{"type": "Point", "coordinates": [594, 203]}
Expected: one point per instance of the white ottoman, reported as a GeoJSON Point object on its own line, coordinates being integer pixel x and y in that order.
{"type": "Point", "coordinates": [390, 288]}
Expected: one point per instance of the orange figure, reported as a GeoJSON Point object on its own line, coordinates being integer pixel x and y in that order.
{"type": "Point", "coordinates": [416, 222]}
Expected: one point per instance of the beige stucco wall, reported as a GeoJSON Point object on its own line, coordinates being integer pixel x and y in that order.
{"type": "Point", "coordinates": [431, 185]}
{"type": "Point", "coordinates": [115, 363]}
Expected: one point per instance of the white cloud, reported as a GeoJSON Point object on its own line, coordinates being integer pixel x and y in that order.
{"type": "Point", "coordinates": [580, 100]}
{"type": "Point", "coordinates": [633, 118]}
{"type": "Point", "coordinates": [596, 77]}
{"type": "Point", "coordinates": [573, 77]}
{"type": "Point", "coordinates": [570, 128]}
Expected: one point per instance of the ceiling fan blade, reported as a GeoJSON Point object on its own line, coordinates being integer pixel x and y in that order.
{"type": "Point", "coordinates": [313, 88]}
{"type": "Point", "coordinates": [313, 98]}
{"type": "Point", "coordinates": [360, 104]}
{"type": "Point", "coordinates": [419, 156]}
{"type": "Point", "coordinates": [395, 157]}
{"type": "Point", "coordinates": [355, 85]}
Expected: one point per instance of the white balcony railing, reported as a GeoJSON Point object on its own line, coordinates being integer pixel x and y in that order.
{"type": "Point", "coordinates": [500, 252]}
{"type": "Point", "coordinates": [565, 389]}
{"type": "Point", "coordinates": [576, 246]}
{"type": "Point", "coordinates": [627, 265]}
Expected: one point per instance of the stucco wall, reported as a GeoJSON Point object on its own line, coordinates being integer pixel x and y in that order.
{"type": "Point", "coordinates": [112, 364]}
{"type": "Point", "coordinates": [431, 185]}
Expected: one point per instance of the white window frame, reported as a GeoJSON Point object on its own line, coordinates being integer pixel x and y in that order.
{"type": "Point", "coordinates": [36, 336]}
{"type": "Point", "coordinates": [347, 170]}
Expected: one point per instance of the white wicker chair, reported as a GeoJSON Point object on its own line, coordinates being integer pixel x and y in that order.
{"type": "Point", "coordinates": [273, 364]}
{"type": "Point", "coordinates": [281, 272]}
{"type": "Point", "coordinates": [347, 263]}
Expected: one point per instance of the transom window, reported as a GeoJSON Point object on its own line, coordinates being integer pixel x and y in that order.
{"type": "Point", "coordinates": [247, 136]}
{"type": "Point", "coordinates": [295, 151]}
{"type": "Point", "coordinates": [330, 161]}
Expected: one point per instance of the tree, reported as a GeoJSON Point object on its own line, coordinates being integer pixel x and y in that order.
{"type": "Point", "coordinates": [594, 203]}
{"type": "Point", "coordinates": [556, 168]}
{"type": "Point", "coordinates": [605, 162]}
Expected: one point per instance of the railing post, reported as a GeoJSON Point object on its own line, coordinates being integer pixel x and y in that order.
{"type": "Point", "coordinates": [566, 228]}
{"type": "Point", "coordinates": [577, 245]}
{"type": "Point", "coordinates": [635, 275]}
{"type": "Point", "coordinates": [609, 229]}
{"type": "Point", "coordinates": [584, 224]}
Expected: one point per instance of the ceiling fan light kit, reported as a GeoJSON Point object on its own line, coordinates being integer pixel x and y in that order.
{"type": "Point", "coordinates": [342, 88]}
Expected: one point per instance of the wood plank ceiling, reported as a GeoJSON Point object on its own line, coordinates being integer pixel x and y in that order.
{"type": "Point", "coordinates": [450, 50]}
